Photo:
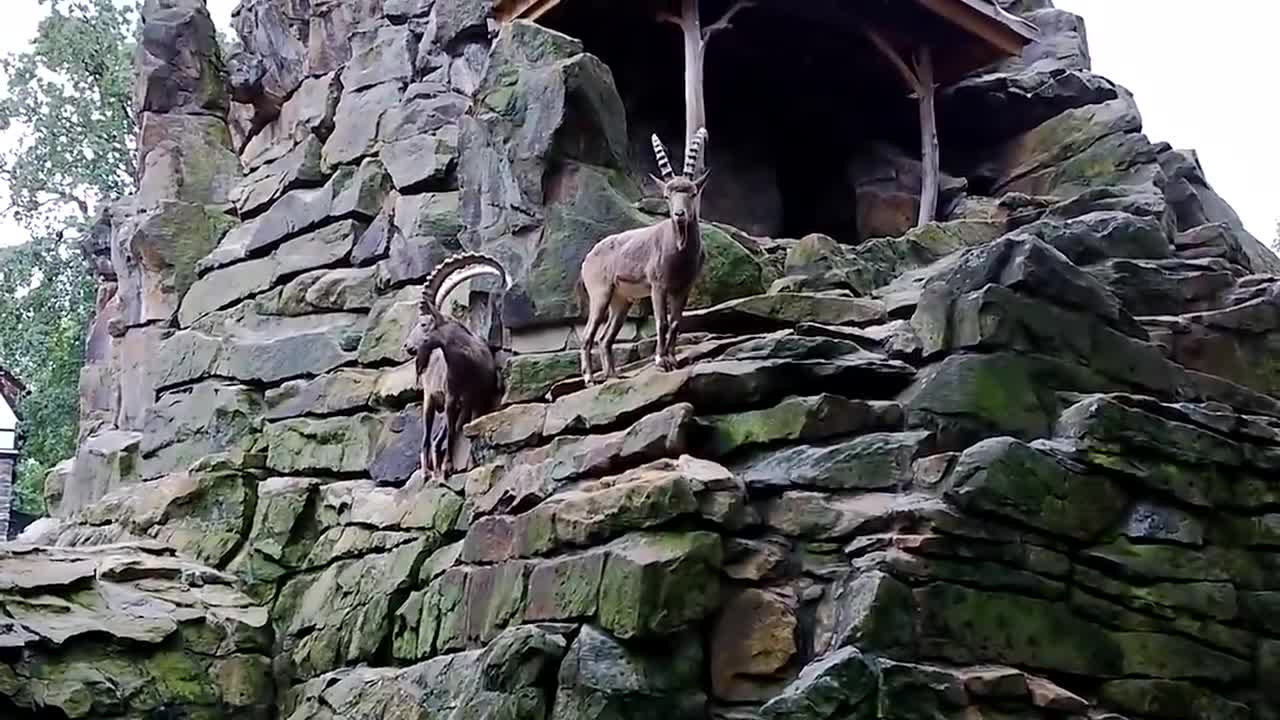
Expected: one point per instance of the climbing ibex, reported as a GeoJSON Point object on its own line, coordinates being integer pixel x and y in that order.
{"type": "Point", "coordinates": [661, 261]}
{"type": "Point", "coordinates": [459, 375]}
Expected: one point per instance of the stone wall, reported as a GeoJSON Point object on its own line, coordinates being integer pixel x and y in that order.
{"type": "Point", "coordinates": [1019, 463]}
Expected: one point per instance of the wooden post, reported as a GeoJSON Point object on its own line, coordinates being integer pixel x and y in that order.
{"type": "Point", "coordinates": [920, 80]}
{"type": "Point", "coordinates": [930, 154]}
{"type": "Point", "coordinates": [695, 108]}
{"type": "Point", "coordinates": [696, 38]}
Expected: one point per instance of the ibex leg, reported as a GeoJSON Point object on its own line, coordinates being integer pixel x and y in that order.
{"type": "Point", "coordinates": [660, 326]}
{"type": "Point", "coordinates": [596, 315]}
{"type": "Point", "coordinates": [617, 318]}
{"type": "Point", "coordinates": [675, 311]}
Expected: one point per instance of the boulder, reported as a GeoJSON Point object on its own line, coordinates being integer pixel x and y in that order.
{"type": "Point", "coordinates": [754, 638]}
{"type": "Point", "coordinates": [761, 313]}
{"type": "Point", "coordinates": [868, 610]}
{"type": "Point", "coordinates": [1022, 265]}
{"type": "Point", "coordinates": [204, 419]}
{"type": "Point", "coordinates": [342, 613]}
{"type": "Point", "coordinates": [826, 689]}
{"type": "Point", "coordinates": [534, 475]}
{"type": "Point", "coordinates": [328, 37]}
{"type": "Point", "coordinates": [155, 251]}
{"type": "Point", "coordinates": [659, 583]}
{"type": "Point", "coordinates": [202, 514]}
{"type": "Point", "coordinates": [1008, 478]}
{"type": "Point", "coordinates": [473, 681]}
{"type": "Point", "coordinates": [274, 350]}
{"type": "Point", "coordinates": [337, 445]}
{"type": "Point", "coordinates": [179, 63]}
{"type": "Point", "coordinates": [994, 107]}
{"type": "Point", "coordinates": [185, 158]}
{"type": "Point", "coordinates": [1093, 146]}
{"type": "Point", "coordinates": [541, 223]}
{"type": "Point", "coordinates": [798, 419]}
{"type": "Point", "coordinates": [222, 288]}
{"type": "Point", "coordinates": [356, 123]}
{"type": "Point", "coordinates": [1165, 287]}
{"type": "Point", "coordinates": [872, 461]}
{"type": "Point", "coordinates": [143, 629]}
{"type": "Point", "coordinates": [603, 679]}
{"type": "Point", "coordinates": [974, 626]}
{"type": "Point", "coordinates": [1195, 203]}
{"type": "Point", "coordinates": [379, 54]}
{"type": "Point", "coordinates": [308, 113]}
{"type": "Point", "coordinates": [276, 34]}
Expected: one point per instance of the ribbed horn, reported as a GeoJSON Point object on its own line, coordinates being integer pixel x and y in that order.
{"type": "Point", "coordinates": [693, 153]}
{"type": "Point", "coordinates": [664, 163]}
{"type": "Point", "coordinates": [454, 271]}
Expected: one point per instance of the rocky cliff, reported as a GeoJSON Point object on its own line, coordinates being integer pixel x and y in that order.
{"type": "Point", "coordinates": [1020, 463]}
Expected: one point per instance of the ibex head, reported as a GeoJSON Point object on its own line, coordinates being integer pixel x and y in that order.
{"type": "Point", "coordinates": [682, 191]}
{"type": "Point", "coordinates": [442, 281]}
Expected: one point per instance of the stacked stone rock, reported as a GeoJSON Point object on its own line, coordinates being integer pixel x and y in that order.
{"type": "Point", "coordinates": [1016, 464]}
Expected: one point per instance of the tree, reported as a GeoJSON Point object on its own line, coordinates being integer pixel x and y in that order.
{"type": "Point", "coordinates": [68, 100]}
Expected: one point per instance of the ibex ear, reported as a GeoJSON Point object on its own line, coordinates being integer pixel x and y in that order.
{"type": "Point", "coordinates": [658, 183]}
{"type": "Point", "coordinates": [701, 180]}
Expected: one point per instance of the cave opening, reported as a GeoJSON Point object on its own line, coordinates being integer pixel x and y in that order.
{"type": "Point", "coordinates": [801, 108]}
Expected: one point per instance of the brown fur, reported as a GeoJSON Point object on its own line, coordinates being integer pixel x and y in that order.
{"type": "Point", "coordinates": [661, 262]}
{"type": "Point", "coordinates": [457, 370]}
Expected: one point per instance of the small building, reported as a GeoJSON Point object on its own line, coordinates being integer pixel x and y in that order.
{"type": "Point", "coordinates": [11, 391]}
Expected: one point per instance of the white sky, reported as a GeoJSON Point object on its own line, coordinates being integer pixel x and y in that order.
{"type": "Point", "coordinates": [1204, 79]}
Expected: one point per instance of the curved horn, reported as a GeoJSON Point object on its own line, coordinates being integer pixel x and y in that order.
{"type": "Point", "coordinates": [456, 270]}
{"type": "Point", "coordinates": [664, 163]}
{"type": "Point", "coordinates": [693, 153]}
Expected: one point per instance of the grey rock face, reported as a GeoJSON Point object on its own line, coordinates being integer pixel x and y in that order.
{"type": "Point", "coordinates": [902, 478]}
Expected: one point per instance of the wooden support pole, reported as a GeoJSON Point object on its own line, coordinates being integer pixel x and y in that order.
{"type": "Point", "coordinates": [696, 38]}
{"type": "Point", "coordinates": [695, 108]}
{"type": "Point", "coordinates": [930, 153]}
{"type": "Point", "coordinates": [920, 80]}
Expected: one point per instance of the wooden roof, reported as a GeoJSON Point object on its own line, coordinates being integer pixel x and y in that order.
{"type": "Point", "coordinates": [987, 32]}
{"type": "Point", "coordinates": [11, 388]}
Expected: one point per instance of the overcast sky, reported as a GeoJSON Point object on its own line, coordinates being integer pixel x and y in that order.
{"type": "Point", "coordinates": [1204, 79]}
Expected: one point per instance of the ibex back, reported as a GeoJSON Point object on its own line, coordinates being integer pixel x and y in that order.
{"type": "Point", "coordinates": [661, 261]}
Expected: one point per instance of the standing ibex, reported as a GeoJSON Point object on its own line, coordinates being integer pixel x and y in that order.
{"type": "Point", "coordinates": [457, 369]}
{"type": "Point", "coordinates": [661, 261]}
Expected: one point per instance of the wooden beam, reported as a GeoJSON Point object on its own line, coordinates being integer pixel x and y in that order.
{"type": "Point", "coordinates": [510, 10]}
{"type": "Point", "coordinates": [985, 21]}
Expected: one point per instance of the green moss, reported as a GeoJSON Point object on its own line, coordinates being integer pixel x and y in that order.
{"type": "Point", "coordinates": [730, 272]}
{"type": "Point", "coordinates": [966, 625]}
{"type": "Point", "coordinates": [179, 678]}
{"type": "Point", "coordinates": [530, 377]}
{"type": "Point", "coordinates": [657, 583]}
{"type": "Point", "coordinates": [1170, 699]}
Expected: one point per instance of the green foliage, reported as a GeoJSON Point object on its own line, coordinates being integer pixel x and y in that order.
{"type": "Point", "coordinates": [68, 100]}
{"type": "Point", "coordinates": [71, 96]}
{"type": "Point", "coordinates": [47, 296]}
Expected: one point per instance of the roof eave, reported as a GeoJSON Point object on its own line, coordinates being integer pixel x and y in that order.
{"type": "Point", "coordinates": [1003, 31]}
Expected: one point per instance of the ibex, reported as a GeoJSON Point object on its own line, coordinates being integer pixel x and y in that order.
{"type": "Point", "coordinates": [459, 375]}
{"type": "Point", "coordinates": [661, 261]}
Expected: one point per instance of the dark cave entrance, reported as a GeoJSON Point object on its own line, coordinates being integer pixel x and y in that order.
{"type": "Point", "coordinates": [795, 102]}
